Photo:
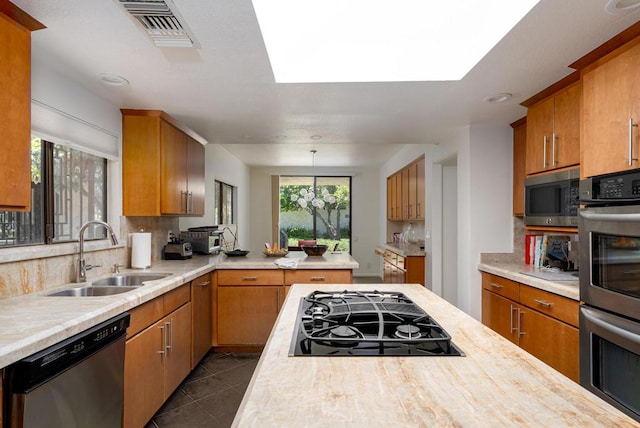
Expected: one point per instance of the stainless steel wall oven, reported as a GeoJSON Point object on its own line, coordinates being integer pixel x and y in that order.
{"type": "Point", "coordinates": [609, 240]}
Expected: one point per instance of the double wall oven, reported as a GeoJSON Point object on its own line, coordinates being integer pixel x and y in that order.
{"type": "Point", "coordinates": [609, 240]}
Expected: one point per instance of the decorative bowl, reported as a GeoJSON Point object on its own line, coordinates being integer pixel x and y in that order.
{"type": "Point", "coordinates": [279, 253]}
{"type": "Point", "coordinates": [236, 253]}
{"type": "Point", "coordinates": [314, 250]}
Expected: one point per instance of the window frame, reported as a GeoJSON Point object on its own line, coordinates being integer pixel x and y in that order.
{"type": "Point", "coordinates": [220, 203]}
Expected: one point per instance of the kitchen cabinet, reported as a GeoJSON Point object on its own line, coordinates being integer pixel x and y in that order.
{"type": "Point", "coordinates": [519, 166]}
{"type": "Point", "coordinates": [401, 269]}
{"type": "Point", "coordinates": [15, 104]}
{"type": "Point", "coordinates": [166, 159]}
{"type": "Point", "coordinates": [405, 192]}
{"type": "Point", "coordinates": [553, 131]}
{"type": "Point", "coordinates": [611, 112]}
{"type": "Point", "coordinates": [157, 354]}
{"type": "Point", "coordinates": [247, 302]}
{"type": "Point", "coordinates": [202, 317]}
{"type": "Point", "coordinates": [318, 276]}
{"type": "Point", "coordinates": [542, 323]}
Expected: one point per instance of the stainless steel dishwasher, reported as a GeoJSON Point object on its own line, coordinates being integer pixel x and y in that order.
{"type": "Point", "coordinates": [75, 383]}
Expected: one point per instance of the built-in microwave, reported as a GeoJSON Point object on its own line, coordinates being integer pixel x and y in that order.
{"type": "Point", "coordinates": [552, 199]}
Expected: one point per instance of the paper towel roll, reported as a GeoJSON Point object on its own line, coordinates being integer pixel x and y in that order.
{"type": "Point", "coordinates": [140, 250]}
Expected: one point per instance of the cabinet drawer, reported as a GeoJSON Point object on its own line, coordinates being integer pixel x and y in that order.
{"type": "Point", "coordinates": [250, 277]}
{"type": "Point", "coordinates": [176, 298]}
{"type": "Point", "coordinates": [311, 276]}
{"type": "Point", "coordinates": [502, 286]}
{"type": "Point", "coordinates": [390, 257]}
{"type": "Point", "coordinates": [550, 304]}
{"type": "Point", "coordinates": [144, 315]}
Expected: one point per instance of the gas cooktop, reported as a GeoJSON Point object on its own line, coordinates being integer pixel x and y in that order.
{"type": "Point", "coordinates": [367, 323]}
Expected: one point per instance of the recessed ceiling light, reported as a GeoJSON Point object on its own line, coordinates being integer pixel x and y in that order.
{"type": "Point", "coordinates": [617, 6]}
{"type": "Point", "coordinates": [382, 40]}
{"type": "Point", "coordinates": [112, 79]}
{"type": "Point", "coordinates": [316, 137]}
{"type": "Point", "coordinates": [497, 98]}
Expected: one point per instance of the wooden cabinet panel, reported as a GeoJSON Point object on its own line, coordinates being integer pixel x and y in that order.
{"type": "Point", "coordinates": [405, 192]}
{"type": "Point", "coordinates": [250, 277]}
{"type": "Point", "coordinates": [391, 196]}
{"type": "Point", "coordinates": [320, 276]}
{"type": "Point", "coordinates": [173, 161]}
{"type": "Point", "coordinates": [202, 317]}
{"type": "Point", "coordinates": [15, 105]}
{"type": "Point", "coordinates": [399, 269]}
{"type": "Point", "coordinates": [144, 315]}
{"type": "Point", "coordinates": [195, 176]}
{"type": "Point", "coordinates": [519, 166]}
{"type": "Point", "coordinates": [178, 355]}
{"type": "Point", "coordinates": [412, 192]}
{"type": "Point", "coordinates": [176, 298]}
{"type": "Point", "coordinates": [502, 286]}
{"type": "Point", "coordinates": [246, 314]}
{"type": "Point", "coordinates": [552, 341]}
{"type": "Point", "coordinates": [420, 189]}
{"type": "Point", "coordinates": [498, 313]}
{"type": "Point", "coordinates": [609, 103]}
{"type": "Point", "coordinates": [558, 307]}
{"type": "Point", "coordinates": [539, 134]}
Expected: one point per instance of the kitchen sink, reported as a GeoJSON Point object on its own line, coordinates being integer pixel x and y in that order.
{"type": "Point", "coordinates": [133, 279]}
{"type": "Point", "coordinates": [92, 291]}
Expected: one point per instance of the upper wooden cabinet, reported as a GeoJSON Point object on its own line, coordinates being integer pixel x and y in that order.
{"type": "Point", "coordinates": [611, 112]}
{"type": "Point", "coordinates": [15, 104]}
{"type": "Point", "coordinates": [519, 160]}
{"type": "Point", "coordinates": [553, 131]}
{"type": "Point", "coordinates": [405, 192]}
{"type": "Point", "coordinates": [162, 166]}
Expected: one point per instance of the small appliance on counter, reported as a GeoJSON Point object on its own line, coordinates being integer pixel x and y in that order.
{"type": "Point", "coordinates": [177, 249]}
{"type": "Point", "coordinates": [204, 239]}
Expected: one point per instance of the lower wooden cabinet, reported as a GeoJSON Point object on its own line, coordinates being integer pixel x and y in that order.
{"type": "Point", "coordinates": [399, 269]}
{"type": "Point", "coordinates": [158, 356]}
{"type": "Point", "coordinates": [542, 323]}
{"type": "Point", "coordinates": [202, 317]}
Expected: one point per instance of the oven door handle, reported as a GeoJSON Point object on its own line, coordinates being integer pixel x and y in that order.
{"type": "Point", "coordinates": [611, 324]}
{"type": "Point", "coordinates": [610, 217]}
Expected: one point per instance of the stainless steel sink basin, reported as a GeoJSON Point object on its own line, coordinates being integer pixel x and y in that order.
{"type": "Point", "coordinates": [92, 291]}
{"type": "Point", "coordinates": [131, 279]}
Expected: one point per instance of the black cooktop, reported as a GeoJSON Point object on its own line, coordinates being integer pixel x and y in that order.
{"type": "Point", "coordinates": [367, 323]}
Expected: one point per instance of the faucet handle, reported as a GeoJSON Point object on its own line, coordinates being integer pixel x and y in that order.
{"type": "Point", "coordinates": [116, 268]}
{"type": "Point", "coordinates": [89, 267]}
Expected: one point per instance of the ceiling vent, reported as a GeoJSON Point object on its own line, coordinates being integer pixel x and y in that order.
{"type": "Point", "coordinates": [160, 20]}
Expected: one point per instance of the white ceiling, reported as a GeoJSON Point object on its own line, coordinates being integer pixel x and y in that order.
{"type": "Point", "coordinates": [225, 89]}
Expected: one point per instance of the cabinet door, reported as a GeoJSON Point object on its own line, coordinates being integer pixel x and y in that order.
{"type": "Point", "coordinates": [195, 176]}
{"type": "Point", "coordinates": [173, 172]}
{"type": "Point", "coordinates": [390, 197]}
{"type": "Point", "coordinates": [178, 356]}
{"type": "Point", "coordinates": [143, 376]}
{"type": "Point", "coordinates": [420, 189]}
{"type": "Point", "coordinates": [246, 314]}
{"type": "Point", "coordinates": [412, 191]}
{"type": "Point", "coordinates": [202, 305]}
{"type": "Point", "coordinates": [565, 143]}
{"type": "Point", "coordinates": [15, 105]}
{"type": "Point", "coordinates": [551, 341]}
{"type": "Point", "coordinates": [609, 102]}
{"type": "Point", "coordinates": [398, 210]}
{"type": "Point", "coordinates": [317, 276]}
{"type": "Point", "coordinates": [500, 315]}
{"type": "Point", "coordinates": [539, 134]}
{"type": "Point", "coordinates": [404, 204]}
{"type": "Point", "coordinates": [519, 159]}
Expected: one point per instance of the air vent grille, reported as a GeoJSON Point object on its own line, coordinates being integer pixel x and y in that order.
{"type": "Point", "coordinates": [159, 19]}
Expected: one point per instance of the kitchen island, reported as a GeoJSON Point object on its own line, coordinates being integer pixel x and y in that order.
{"type": "Point", "coordinates": [495, 384]}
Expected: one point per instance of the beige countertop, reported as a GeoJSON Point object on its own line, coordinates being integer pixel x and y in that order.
{"type": "Point", "coordinates": [406, 250]}
{"type": "Point", "coordinates": [32, 322]}
{"type": "Point", "coordinates": [496, 384]}
{"type": "Point", "coordinates": [514, 272]}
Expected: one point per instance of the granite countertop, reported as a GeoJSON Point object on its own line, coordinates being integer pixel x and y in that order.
{"type": "Point", "coordinates": [32, 322]}
{"type": "Point", "coordinates": [406, 250]}
{"type": "Point", "coordinates": [495, 384]}
{"type": "Point", "coordinates": [514, 272]}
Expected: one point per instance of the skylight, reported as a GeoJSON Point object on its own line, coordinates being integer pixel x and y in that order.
{"type": "Point", "coordinates": [382, 40]}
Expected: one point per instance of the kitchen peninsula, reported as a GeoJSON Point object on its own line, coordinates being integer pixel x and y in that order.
{"type": "Point", "coordinates": [495, 384]}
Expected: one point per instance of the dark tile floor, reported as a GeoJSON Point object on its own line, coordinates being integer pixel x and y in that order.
{"type": "Point", "coordinates": [210, 395]}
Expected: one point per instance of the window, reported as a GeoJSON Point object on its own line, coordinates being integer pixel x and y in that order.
{"type": "Point", "coordinates": [68, 188]}
{"type": "Point", "coordinates": [223, 212]}
{"type": "Point", "coordinates": [315, 208]}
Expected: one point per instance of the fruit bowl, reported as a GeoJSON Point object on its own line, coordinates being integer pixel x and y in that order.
{"type": "Point", "coordinates": [278, 253]}
{"type": "Point", "coordinates": [314, 250]}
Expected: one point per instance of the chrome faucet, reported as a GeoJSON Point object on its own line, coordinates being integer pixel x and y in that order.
{"type": "Point", "coordinates": [82, 268]}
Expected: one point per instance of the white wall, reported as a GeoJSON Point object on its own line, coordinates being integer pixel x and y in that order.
{"type": "Point", "coordinates": [365, 197]}
{"type": "Point", "coordinates": [223, 166]}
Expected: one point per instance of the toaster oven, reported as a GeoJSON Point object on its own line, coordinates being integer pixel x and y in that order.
{"type": "Point", "coordinates": [204, 240]}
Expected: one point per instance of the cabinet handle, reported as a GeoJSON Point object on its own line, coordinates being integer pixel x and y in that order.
{"type": "Point", "coordinates": [169, 326]}
{"type": "Point", "coordinates": [317, 278]}
{"type": "Point", "coordinates": [495, 284]}
{"type": "Point", "coordinates": [511, 328]}
{"type": "Point", "coordinates": [553, 150]}
{"type": "Point", "coordinates": [183, 199]}
{"type": "Point", "coordinates": [520, 315]}
{"type": "Point", "coordinates": [417, 209]}
{"type": "Point", "coordinates": [249, 278]}
{"type": "Point", "coordinates": [544, 152]}
{"type": "Point", "coordinates": [205, 283]}
{"type": "Point", "coordinates": [543, 303]}
{"type": "Point", "coordinates": [278, 299]}
{"type": "Point", "coordinates": [631, 126]}
{"type": "Point", "coordinates": [164, 339]}
{"type": "Point", "coordinates": [189, 202]}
